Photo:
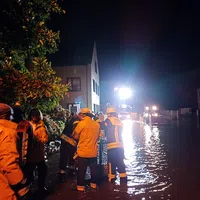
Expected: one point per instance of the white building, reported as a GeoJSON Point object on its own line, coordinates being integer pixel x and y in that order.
{"type": "Point", "coordinates": [84, 80]}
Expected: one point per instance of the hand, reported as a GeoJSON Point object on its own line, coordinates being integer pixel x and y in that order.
{"type": "Point", "coordinates": [22, 188]}
{"type": "Point", "coordinates": [27, 196]}
{"type": "Point", "coordinates": [24, 192]}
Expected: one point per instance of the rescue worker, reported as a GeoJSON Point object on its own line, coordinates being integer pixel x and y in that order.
{"type": "Point", "coordinates": [68, 148]}
{"type": "Point", "coordinates": [13, 184]}
{"type": "Point", "coordinates": [87, 132]}
{"type": "Point", "coordinates": [36, 155]}
{"type": "Point", "coordinates": [18, 113]}
{"type": "Point", "coordinates": [115, 151]}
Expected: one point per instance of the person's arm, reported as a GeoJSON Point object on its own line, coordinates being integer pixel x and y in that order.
{"type": "Point", "coordinates": [100, 134]}
{"type": "Point", "coordinates": [41, 134]}
{"type": "Point", "coordinates": [77, 131]}
{"type": "Point", "coordinates": [104, 126]}
{"type": "Point", "coordinates": [44, 134]}
{"type": "Point", "coordinates": [9, 164]}
{"type": "Point", "coordinates": [9, 159]}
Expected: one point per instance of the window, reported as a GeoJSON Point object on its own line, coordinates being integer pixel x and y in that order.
{"type": "Point", "coordinates": [98, 91]}
{"type": "Point", "coordinates": [96, 88]}
{"type": "Point", "coordinates": [94, 85]}
{"type": "Point", "coordinates": [75, 83]}
{"type": "Point", "coordinates": [95, 66]}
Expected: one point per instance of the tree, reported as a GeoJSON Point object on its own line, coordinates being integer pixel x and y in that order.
{"type": "Point", "coordinates": [24, 35]}
{"type": "Point", "coordinates": [39, 88]}
{"type": "Point", "coordinates": [24, 32]}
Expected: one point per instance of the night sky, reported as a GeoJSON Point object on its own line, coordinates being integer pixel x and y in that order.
{"type": "Point", "coordinates": [151, 46]}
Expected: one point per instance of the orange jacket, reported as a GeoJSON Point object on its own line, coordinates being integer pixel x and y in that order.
{"type": "Point", "coordinates": [40, 138]}
{"type": "Point", "coordinates": [87, 132]}
{"type": "Point", "coordinates": [10, 172]}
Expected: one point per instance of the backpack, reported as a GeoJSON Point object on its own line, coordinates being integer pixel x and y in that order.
{"type": "Point", "coordinates": [24, 141]}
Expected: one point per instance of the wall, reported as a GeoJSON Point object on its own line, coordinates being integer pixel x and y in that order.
{"type": "Point", "coordinates": [95, 76]}
{"type": "Point", "coordinates": [74, 71]}
{"type": "Point", "coordinates": [87, 73]}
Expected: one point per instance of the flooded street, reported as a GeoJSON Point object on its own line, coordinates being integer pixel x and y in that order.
{"type": "Point", "coordinates": [146, 161]}
{"type": "Point", "coordinates": [162, 162]}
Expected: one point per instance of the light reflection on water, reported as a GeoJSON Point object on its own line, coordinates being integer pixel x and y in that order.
{"type": "Point", "coordinates": [145, 159]}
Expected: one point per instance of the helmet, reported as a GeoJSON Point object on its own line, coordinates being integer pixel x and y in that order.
{"type": "Point", "coordinates": [35, 113]}
{"type": "Point", "coordinates": [111, 110]}
{"type": "Point", "coordinates": [4, 109]}
{"type": "Point", "coordinates": [85, 111]}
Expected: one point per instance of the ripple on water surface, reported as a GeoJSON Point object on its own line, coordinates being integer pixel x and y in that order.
{"type": "Point", "coordinates": [146, 161]}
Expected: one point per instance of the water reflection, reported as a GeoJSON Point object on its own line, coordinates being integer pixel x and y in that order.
{"type": "Point", "coordinates": [145, 159]}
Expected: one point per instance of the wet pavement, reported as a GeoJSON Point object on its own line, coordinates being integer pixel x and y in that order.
{"type": "Point", "coordinates": [162, 162]}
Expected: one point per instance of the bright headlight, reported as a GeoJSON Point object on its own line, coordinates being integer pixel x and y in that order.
{"type": "Point", "coordinates": [155, 114]}
{"type": "Point", "coordinates": [147, 108]}
{"type": "Point", "coordinates": [154, 108]}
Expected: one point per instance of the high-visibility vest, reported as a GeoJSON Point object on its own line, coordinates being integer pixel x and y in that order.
{"type": "Point", "coordinates": [113, 129]}
{"type": "Point", "coordinates": [24, 141]}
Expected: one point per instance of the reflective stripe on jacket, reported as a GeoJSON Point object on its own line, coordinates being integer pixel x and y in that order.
{"type": "Point", "coordinates": [113, 128]}
{"type": "Point", "coordinates": [87, 132]}
{"type": "Point", "coordinates": [10, 172]}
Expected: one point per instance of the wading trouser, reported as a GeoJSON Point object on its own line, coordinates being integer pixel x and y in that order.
{"type": "Point", "coordinates": [116, 160]}
{"type": "Point", "coordinates": [82, 167]}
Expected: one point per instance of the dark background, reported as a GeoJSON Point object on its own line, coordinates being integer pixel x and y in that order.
{"type": "Point", "coordinates": [151, 46]}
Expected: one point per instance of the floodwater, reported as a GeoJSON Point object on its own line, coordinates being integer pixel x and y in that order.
{"type": "Point", "coordinates": [146, 161]}
{"type": "Point", "coordinates": [162, 162]}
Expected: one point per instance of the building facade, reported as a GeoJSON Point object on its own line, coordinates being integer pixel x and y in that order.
{"type": "Point", "coordinates": [84, 81]}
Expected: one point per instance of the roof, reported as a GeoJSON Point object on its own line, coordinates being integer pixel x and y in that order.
{"type": "Point", "coordinates": [73, 53]}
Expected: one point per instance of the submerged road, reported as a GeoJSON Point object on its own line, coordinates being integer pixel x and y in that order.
{"type": "Point", "coordinates": [162, 162]}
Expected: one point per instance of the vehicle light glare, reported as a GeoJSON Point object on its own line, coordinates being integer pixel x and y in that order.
{"type": "Point", "coordinates": [155, 115]}
{"type": "Point", "coordinates": [116, 88]}
{"type": "Point", "coordinates": [124, 106]}
{"type": "Point", "coordinates": [125, 93]}
{"type": "Point", "coordinates": [147, 107]}
{"type": "Point", "coordinates": [154, 107]}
